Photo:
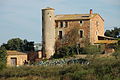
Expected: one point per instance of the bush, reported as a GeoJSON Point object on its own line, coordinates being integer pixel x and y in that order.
{"type": "Point", "coordinates": [99, 69]}
{"type": "Point", "coordinates": [65, 52]}
{"type": "Point", "coordinates": [2, 58]}
{"type": "Point", "coordinates": [116, 54]}
{"type": "Point", "coordinates": [91, 49]}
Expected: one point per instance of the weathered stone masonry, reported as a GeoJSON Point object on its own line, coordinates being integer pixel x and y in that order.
{"type": "Point", "coordinates": [55, 27]}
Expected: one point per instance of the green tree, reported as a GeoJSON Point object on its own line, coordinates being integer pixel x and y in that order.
{"type": "Point", "coordinates": [19, 45]}
{"type": "Point", "coordinates": [28, 46]}
{"type": "Point", "coordinates": [15, 44]}
{"type": "Point", "coordinates": [2, 57]}
{"type": "Point", "coordinates": [113, 32]}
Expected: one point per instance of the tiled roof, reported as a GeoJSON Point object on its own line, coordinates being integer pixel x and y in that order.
{"type": "Point", "coordinates": [13, 52]}
{"type": "Point", "coordinates": [74, 16]}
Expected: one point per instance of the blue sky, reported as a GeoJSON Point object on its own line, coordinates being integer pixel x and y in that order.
{"type": "Point", "coordinates": [22, 18]}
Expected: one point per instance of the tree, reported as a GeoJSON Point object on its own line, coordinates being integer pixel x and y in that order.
{"type": "Point", "coordinates": [28, 46]}
{"type": "Point", "coordinates": [108, 33]}
{"type": "Point", "coordinates": [113, 33]}
{"type": "Point", "coordinates": [15, 44]}
{"type": "Point", "coordinates": [2, 57]}
{"type": "Point", "coordinates": [19, 45]}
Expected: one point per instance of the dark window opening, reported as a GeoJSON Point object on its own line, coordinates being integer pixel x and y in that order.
{"type": "Point", "coordinates": [61, 24]}
{"type": "Point", "coordinates": [66, 24]}
{"type": "Point", "coordinates": [80, 22]}
{"type": "Point", "coordinates": [56, 24]}
{"type": "Point", "coordinates": [81, 34]}
{"type": "Point", "coordinates": [60, 34]}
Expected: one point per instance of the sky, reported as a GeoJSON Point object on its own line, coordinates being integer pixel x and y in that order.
{"type": "Point", "coordinates": [22, 18]}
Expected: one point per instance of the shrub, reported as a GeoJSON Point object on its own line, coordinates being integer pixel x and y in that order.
{"type": "Point", "coordinates": [100, 69]}
{"type": "Point", "coordinates": [2, 58]}
{"type": "Point", "coordinates": [91, 49]}
{"type": "Point", "coordinates": [64, 52]}
{"type": "Point", "coordinates": [116, 54]}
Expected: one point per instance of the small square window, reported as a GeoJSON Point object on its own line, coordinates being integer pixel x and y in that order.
{"type": "Point", "coordinates": [66, 24]}
{"type": "Point", "coordinates": [61, 24]}
{"type": "Point", "coordinates": [81, 22]}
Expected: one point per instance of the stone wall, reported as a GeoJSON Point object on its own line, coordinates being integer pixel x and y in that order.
{"type": "Point", "coordinates": [74, 24]}
{"type": "Point", "coordinates": [96, 28]}
{"type": "Point", "coordinates": [48, 31]}
{"type": "Point", "coordinates": [20, 59]}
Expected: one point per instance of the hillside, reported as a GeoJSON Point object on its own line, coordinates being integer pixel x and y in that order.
{"type": "Point", "coordinates": [100, 68]}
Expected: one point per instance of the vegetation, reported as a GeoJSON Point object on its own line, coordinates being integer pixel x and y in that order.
{"type": "Point", "coordinates": [67, 51]}
{"type": "Point", "coordinates": [2, 58]}
{"type": "Point", "coordinates": [115, 33]}
{"type": "Point", "coordinates": [19, 45]}
{"type": "Point", "coordinates": [98, 69]}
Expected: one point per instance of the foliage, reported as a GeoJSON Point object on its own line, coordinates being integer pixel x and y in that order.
{"type": "Point", "coordinates": [65, 51]}
{"type": "Point", "coordinates": [19, 45]}
{"type": "Point", "coordinates": [15, 44]}
{"type": "Point", "coordinates": [116, 54]}
{"type": "Point", "coordinates": [113, 33]}
{"type": "Point", "coordinates": [71, 38]}
{"type": "Point", "coordinates": [99, 69]}
{"type": "Point", "coordinates": [92, 49]}
{"type": "Point", "coordinates": [28, 46]}
{"type": "Point", "coordinates": [2, 57]}
{"type": "Point", "coordinates": [118, 41]}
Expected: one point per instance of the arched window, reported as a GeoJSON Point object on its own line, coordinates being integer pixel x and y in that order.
{"type": "Point", "coordinates": [81, 33]}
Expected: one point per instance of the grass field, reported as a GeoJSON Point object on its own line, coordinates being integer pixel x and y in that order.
{"type": "Point", "coordinates": [100, 68]}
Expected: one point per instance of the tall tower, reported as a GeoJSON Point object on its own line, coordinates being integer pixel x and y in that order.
{"type": "Point", "coordinates": [48, 31]}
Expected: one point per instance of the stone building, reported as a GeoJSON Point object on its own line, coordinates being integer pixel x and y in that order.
{"type": "Point", "coordinates": [69, 28]}
{"type": "Point", "coordinates": [15, 58]}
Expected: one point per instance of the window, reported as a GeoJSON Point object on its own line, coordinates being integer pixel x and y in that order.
{"type": "Point", "coordinates": [66, 24]}
{"type": "Point", "coordinates": [56, 24]}
{"type": "Point", "coordinates": [97, 23]}
{"type": "Point", "coordinates": [81, 22]}
{"type": "Point", "coordinates": [61, 24]}
{"type": "Point", "coordinates": [81, 34]}
{"type": "Point", "coordinates": [60, 34]}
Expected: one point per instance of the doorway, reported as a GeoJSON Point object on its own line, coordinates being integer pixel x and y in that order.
{"type": "Point", "coordinates": [13, 61]}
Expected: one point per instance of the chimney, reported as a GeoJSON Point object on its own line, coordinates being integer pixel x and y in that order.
{"type": "Point", "coordinates": [91, 11]}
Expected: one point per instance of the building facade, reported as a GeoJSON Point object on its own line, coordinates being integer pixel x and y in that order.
{"type": "Point", "coordinates": [70, 29]}
{"type": "Point", "coordinates": [16, 58]}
